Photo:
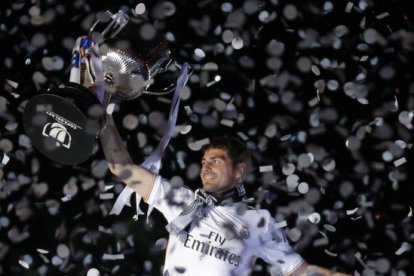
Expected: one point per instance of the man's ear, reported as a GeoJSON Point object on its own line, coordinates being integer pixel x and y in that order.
{"type": "Point", "coordinates": [240, 169]}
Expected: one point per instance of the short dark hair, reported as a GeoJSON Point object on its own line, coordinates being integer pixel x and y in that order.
{"type": "Point", "coordinates": [235, 147]}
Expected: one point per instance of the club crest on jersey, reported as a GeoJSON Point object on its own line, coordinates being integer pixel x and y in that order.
{"type": "Point", "coordinates": [244, 232]}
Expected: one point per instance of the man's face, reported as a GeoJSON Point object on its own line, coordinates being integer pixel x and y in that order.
{"type": "Point", "coordinates": [217, 171]}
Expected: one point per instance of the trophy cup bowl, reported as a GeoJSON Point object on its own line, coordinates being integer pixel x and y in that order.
{"type": "Point", "coordinates": [130, 63]}
{"type": "Point", "coordinates": [124, 75]}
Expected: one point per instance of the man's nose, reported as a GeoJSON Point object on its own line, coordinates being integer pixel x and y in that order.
{"type": "Point", "coordinates": [206, 165]}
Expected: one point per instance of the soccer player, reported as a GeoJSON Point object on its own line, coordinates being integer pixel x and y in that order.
{"type": "Point", "coordinates": [212, 230]}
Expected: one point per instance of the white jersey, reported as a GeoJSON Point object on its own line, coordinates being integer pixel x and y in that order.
{"type": "Point", "coordinates": [210, 248]}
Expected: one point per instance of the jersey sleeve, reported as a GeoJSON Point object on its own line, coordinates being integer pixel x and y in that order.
{"type": "Point", "coordinates": [277, 252]}
{"type": "Point", "coordinates": [169, 200]}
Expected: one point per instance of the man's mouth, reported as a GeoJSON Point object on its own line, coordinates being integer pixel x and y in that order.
{"type": "Point", "coordinates": [208, 176]}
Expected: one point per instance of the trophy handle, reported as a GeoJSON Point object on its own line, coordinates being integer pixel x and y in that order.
{"type": "Point", "coordinates": [116, 23]}
{"type": "Point", "coordinates": [160, 92]}
{"type": "Point", "coordinates": [168, 89]}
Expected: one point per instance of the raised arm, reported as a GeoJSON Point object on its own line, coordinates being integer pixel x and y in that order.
{"type": "Point", "coordinates": [120, 162]}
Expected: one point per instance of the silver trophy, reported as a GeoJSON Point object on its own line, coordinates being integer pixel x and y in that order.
{"type": "Point", "coordinates": [132, 55]}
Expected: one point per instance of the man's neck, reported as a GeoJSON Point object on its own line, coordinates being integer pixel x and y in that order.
{"type": "Point", "coordinates": [226, 197]}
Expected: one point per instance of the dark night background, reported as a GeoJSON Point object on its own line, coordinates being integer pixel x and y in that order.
{"type": "Point", "coordinates": [321, 90]}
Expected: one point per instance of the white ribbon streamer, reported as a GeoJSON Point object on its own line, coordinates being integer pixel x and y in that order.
{"type": "Point", "coordinates": [153, 162]}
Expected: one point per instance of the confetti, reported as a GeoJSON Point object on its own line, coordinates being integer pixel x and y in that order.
{"type": "Point", "coordinates": [63, 251]}
{"type": "Point", "coordinates": [197, 145]}
{"type": "Point", "coordinates": [351, 212]}
{"type": "Point", "coordinates": [292, 181]}
{"type": "Point", "coordinates": [110, 108]}
{"type": "Point", "coordinates": [382, 15]}
{"type": "Point", "coordinates": [93, 272]}
{"type": "Point", "coordinates": [5, 159]}
{"type": "Point", "coordinates": [400, 161]}
{"type": "Point", "coordinates": [314, 101]}
{"type": "Point", "coordinates": [403, 248]}
{"type": "Point", "coordinates": [271, 131]}
{"type": "Point", "coordinates": [185, 129]}
{"type": "Point", "coordinates": [66, 198]}
{"type": "Point", "coordinates": [349, 7]}
{"type": "Point", "coordinates": [281, 224]}
{"type": "Point", "coordinates": [314, 218]}
{"type": "Point", "coordinates": [337, 128]}
{"type": "Point", "coordinates": [332, 254]}
{"type": "Point", "coordinates": [267, 168]}
{"type": "Point", "coordinates": [227, 122]}
{"type": "Point", "coordinates": [217, 78]}
{"type": "Point", "coordinates": [320, 242]}
{"type": "Point", "coordinates": [329, 228]}
{"type": "Point", "coordinates": [88, 184]}
{"type": "Point", "coordinates": [358, 257]}
{"type": "Point", "coordinates": [294, 234]}
{"type": "Point", "coordinates": [303, 188]}
{"type": "Point", "coordinates": [108, 187]}
{"type": "Point", "coordinates": [288, 169]}
{"type": "Point", "coordinates": [106, 196]}
{"type": "Point", "coordinates": [24, 264]}
{"type": "Point", "coordinates": [42, 251]}
{"type": "Point", "coordinates": [243, 136]}
{"type": "Point", "coordinates": [113, 257]}
{"type": "Point", "coordinates": [105, 230]}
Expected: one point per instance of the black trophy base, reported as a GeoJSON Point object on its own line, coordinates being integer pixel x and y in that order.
{"type": "Point", "coordinates": [59, 125]}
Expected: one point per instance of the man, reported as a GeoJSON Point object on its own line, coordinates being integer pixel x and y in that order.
{"type": "Point", "coordinates": [212, 231]}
